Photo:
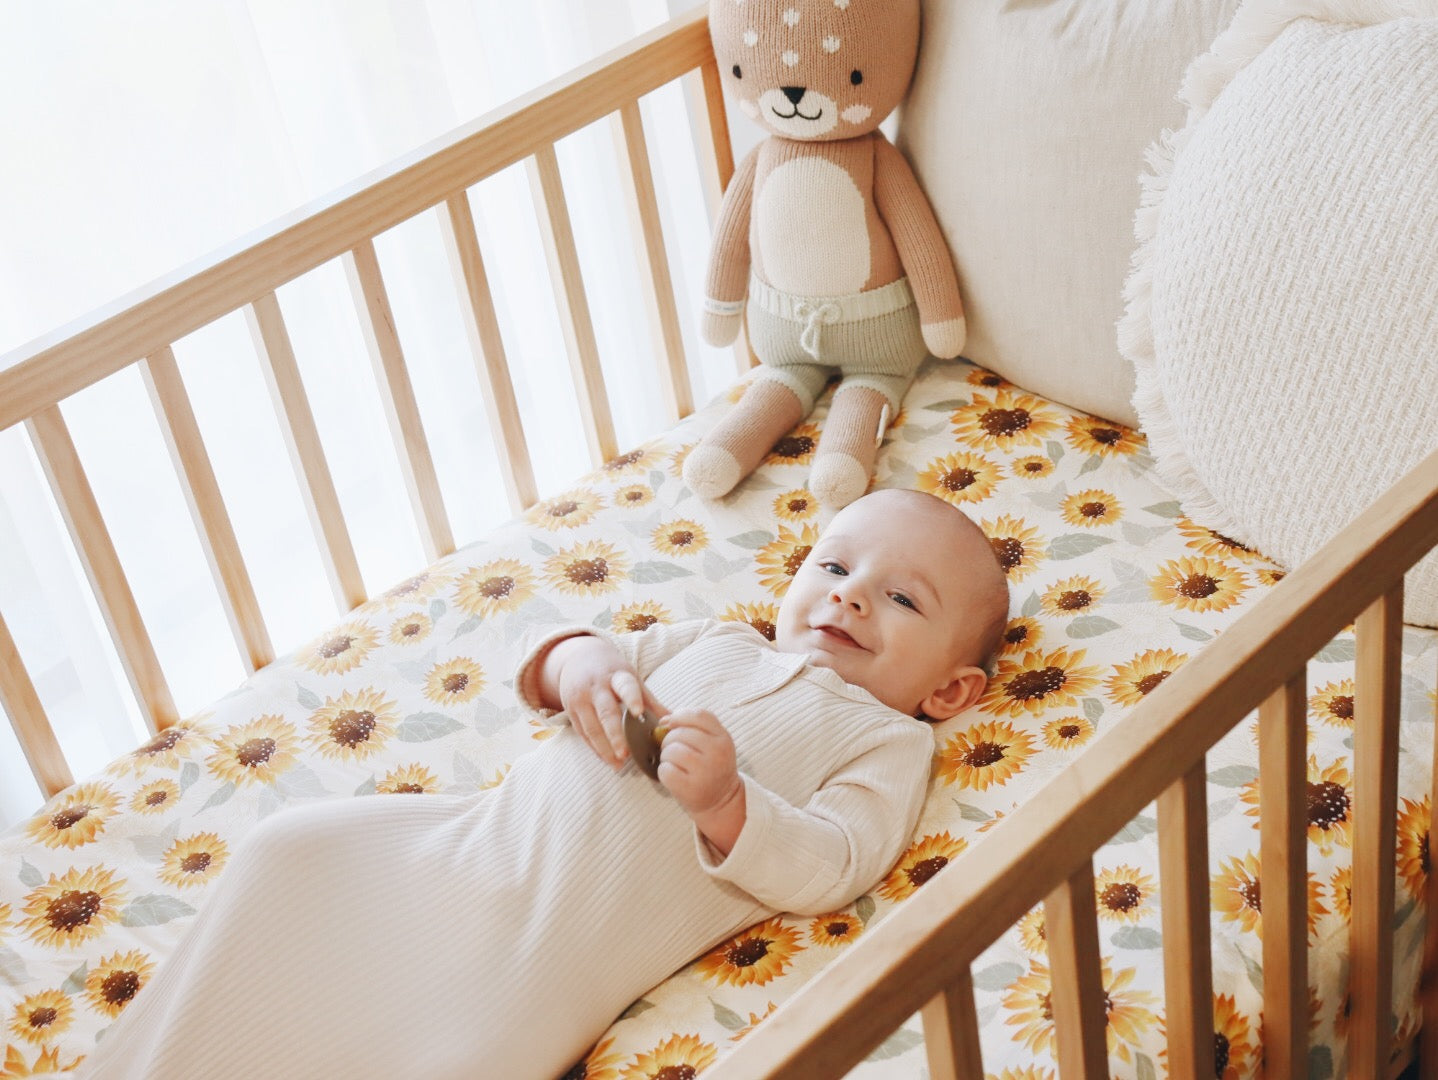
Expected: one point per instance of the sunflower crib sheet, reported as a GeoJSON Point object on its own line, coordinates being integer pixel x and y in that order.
{"type": "Point", "coordinates": [1112, 590]}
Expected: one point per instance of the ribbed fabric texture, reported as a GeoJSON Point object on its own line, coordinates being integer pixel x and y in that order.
{"type": "Point", "coordinates": [1283, 309]}
{"type": "Point", "coordinates": [498, 935]}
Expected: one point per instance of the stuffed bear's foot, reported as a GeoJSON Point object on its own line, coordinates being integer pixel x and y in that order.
{"type": "Point", "coordinates": [837, 480]}
{"type": "Point", "coordinates": [711, 471]}
{"type": "Point", "coordinates": [847, 449]}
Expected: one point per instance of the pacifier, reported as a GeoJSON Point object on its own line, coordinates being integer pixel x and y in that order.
{"type": "Point", "coordinates": [645, 735]}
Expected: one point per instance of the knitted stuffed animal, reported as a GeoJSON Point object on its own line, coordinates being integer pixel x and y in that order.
{"type": "Point", "coordinates": [827, 231]}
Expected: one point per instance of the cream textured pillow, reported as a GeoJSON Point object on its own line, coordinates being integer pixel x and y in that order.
{"type": "Point", "coordinates": [1026, 124]}
{"type": "Point", "coordinates": [1283, 308]}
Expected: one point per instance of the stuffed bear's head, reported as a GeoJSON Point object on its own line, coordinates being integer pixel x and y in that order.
{"type": "Point", "coordinates": [816, 69]}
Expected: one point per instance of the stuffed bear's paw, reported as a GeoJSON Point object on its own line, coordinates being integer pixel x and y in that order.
{"type": "Point", "coordinates": [720, 330]}
{"type": "Point", "coordinates": [711, 472]}
{"type": "Point", "coordinates": [946, 339]}
{"type": "Point", "coordinates": [837, 480]}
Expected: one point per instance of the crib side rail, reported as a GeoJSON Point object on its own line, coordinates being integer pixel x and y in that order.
{"type": "Point", "coordinates": [918, 959]}
{"type": "Point", "coordinates": [141, 328]}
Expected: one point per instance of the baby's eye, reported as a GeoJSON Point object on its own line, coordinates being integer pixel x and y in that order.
{"type": "Point", "coordinates": [833, 568]}
{"type": "Point", "coordinates": [900, 598]}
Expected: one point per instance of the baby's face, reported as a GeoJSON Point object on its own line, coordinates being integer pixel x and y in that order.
{"type": "Point", "coordinates": [885, 599]}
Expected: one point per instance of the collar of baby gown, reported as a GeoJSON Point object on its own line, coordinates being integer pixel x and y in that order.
{"type": "Point", "coordinates": [771, 670]}
{"type": "Point", "coordinates": [832, 680]}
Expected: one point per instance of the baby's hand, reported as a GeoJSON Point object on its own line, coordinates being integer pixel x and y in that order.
{"type": "Point", "coordinates": [696, 763]}
{"type": "Point", "coordinates": [595, 684]}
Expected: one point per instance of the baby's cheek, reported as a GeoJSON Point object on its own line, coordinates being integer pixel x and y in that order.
{"type": "Point", "coordinates": [856, 114]}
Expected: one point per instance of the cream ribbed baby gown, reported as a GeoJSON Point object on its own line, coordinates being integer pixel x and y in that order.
{"type": "Point", "coordinates": [498, 935]}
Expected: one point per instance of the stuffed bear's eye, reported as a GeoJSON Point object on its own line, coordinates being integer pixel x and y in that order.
{"type": "Point", "coordinates": [856, 76]}
{"type": "Point", "coordinates": [737, 73]}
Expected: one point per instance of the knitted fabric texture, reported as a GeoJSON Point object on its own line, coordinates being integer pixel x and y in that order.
{"type": "Point", "coordinates": [1283, 307]}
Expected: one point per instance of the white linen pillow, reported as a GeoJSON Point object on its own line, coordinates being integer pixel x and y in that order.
{"type": "Point", "coordinates": [1026, 124]}
{"type": "Point", "coordinates": [1283, 308]}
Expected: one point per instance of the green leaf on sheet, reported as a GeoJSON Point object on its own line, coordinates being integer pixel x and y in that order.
{"type": "Point", "coordinates": [1233, 775]}
{"type": "Point", "coordinates": [1320, 1063]}
{"type": "Point", "coordinates": [301, 782]}
{"type": "Point", "coordinates": [913, 433]}
{"type": "Point", "coordinates": [152, 847]}
{"type": "Point", "coordinates": [1338, 651]}
{"type": "Point", "coordinates": [1255, 972]}
{"type": "Point", "coordinates": [1137, 937]}
{"type": "Point", "coordinates": [1193, 633]}
{"type": "Point", "coordinates": [947, 406]}
{"type": "Point", "coordinates": [998, 977]}
{"type": "Point", "coordinates": [268, 802]}
{"type": "Point", "coordinates": [488, 718]}
{"type": "Point", "coordinates": [1094, 462]}
{"type": "Point", "coordinates": [754, 540]}
{"type": "Point", "coordinates": [469, 626]}
{"type": "Point", "coordinates": [75, 982]}
{"type": "Point", "coordinates": [604, 620]}
{"type": "Point", "coordinates": [1170, 509]}
{"type": "Point", "coordinates": [900, 1042]}
{"type": "Point", "coordinates": [307, 698]}
{"type": "Point", "coordinates": [1055, 449]}
{"type": "Point", "coordinates": [696, 608]}
{"type": "Point", "coordinates": [1136, 829]}
{"type": "Point", "coordinates": [1032, 606]}
{"type": "Point", "coordinates": [189, 773]}
{"type": "Point", "coordinates": [12, 968]}
{"type": "Point", "coordinates": [1132, 584]}
{"type": "Point", "coordinates": [219, 798]}
{"type": "Point", "coordinates": [540, 547]}
{"type": "Point", "coordinates": [152, 909]}
{"type": "Point", "coordinates": [656, 478]}
{"type": "Point", "coordinates": [1087, 626]}
{"type": "Point", "coordinates": [640, 1006]}
{"type": "Point", "coordinates": [29, 876]}
{"type": "Point", "coordinates": [437, 608]}
{"type": "Point", "coordinates": [1403, 914]}
{"type": "Point", "coordinates": [727, 1016]}
{"type": "Point", "coordinates": [1142, 535]}
{"type": "Point", "coordinates": [426, 727]}
{"type": "Point", "coordinates": [864, 908]}
{"type": "Point", "coordinates": [1093, 709]}
{"type": "Point", "coordinates": [369, 787]}
{"type": "Point", "coordinates": [971, 813]}
{"type": "Point", "coordinates": [655, 572]}
{"type": "Point", "coordinates": [1076, 545]}
{"type": "Point", "coordinates": [1144, 1066]}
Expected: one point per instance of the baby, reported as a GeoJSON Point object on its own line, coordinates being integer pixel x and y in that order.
{"type": "Point", "coordinates": [498, 935]}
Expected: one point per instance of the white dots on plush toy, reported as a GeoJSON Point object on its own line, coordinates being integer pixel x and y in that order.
{"type": "Point", "coordinates": [791, 18]}
{"type": "Point", "coordinates": [751, 38]}
{"type": "Point", "coordinates": [842, 5]}
{"type": "Point", "coordinates": [831, 44]}
{"type": "Point", "coordinates": [790, 58]}
{"type": "Point", "coordinates": [856, 114]}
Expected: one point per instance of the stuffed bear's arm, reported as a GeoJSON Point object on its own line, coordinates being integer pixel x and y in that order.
{"type": "Point", "coordinates": [728, 279]}
{"type": "Point", "coordinates": [922, 249]}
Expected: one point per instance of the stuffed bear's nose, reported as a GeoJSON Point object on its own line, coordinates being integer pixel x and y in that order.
{"type": "Point", "coordinates": [795, 94]}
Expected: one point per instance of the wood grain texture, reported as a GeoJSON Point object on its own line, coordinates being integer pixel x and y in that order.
{"type": "Point", "coordinates": [951, 1032]}
{"type": "Point", "coordinates": [1077, 995]}
{"type": "Point", "coordinates": [1187, 956]}
{"type": "Point", "coordinates": [28, 720]}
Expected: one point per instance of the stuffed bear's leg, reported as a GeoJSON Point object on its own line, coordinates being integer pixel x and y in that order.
{"type": "Point", "coordinates": [736, 445]}
{"type": "Point", "coordinates": [844, 462]}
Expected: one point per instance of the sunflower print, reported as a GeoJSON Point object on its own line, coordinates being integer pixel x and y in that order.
{"type": "Point", "coordinates": [795, 506]}
{"type": "Point", "coordinates": [795, 448]}
{"type": "Point", "coordinates": [1130, 682]}
{"type": "Point", "coordinates": [640, 616]}
{"type": "Point", "coordinates": [1029, 1000]}
{"type": "Point", "coordinates": [780, 561]}
{"type": "Point", "coordinates": [410, 629]}
{"type": "Point", "coordinates": [1032, 467]}
{"type": "Point", "coordinates": [42, 1017]}
{"type": "Point", "coordinates": [1020, 635]}
{"type": "Point", "coordinates": [633, 495]}
{"type": "Point", "coordinates": [1129, 1016]}
{"type": "Point", "coordinates": [1029, 1073]}
{"type": "Point", "coordinates": [165, 751]}
{"type": "Point", "coordinates": [924, 859]}
{"type": "Point", "coordinates": [194, 860]}
{"type": "Point", "coordinates": [1237, 897]}
{"type": "Point", "coordinates": [1016, 545]}
{"type": "Point", "coordinates": [155, 797]}
{"type": "Point", "coordinates": [1038, 682]}
{"type": "Point", "coordinates": [1123, 894]}
{"type": "Point", "coordinates": [680, 537]}
{"type": "Point", "coordinates": [592, 568]}
{"type": "Point", "coordinates": [48, 1062]}
{"type": "Point", "coordinates": [762, 617]}
{"type": "Point", "coordinates": [1067, 732]}
{"type": "Point", "coordinates": [4, 920]}
{"type": "Point", "coordinates": [1005, 421]}
{"type": "Point", "coordinates": [755, 1019]}
{"type": "Point", "coordinates": [988, 754]}
{"type": "Point", "coordinates": [1333, 704]}
{"type": "Point", "coordinates": [1090, 509]}
{"type": "Point", "coordinates": [1211, 542]}
{"type": "Point", "coordinates": [418, 589]}
{"type": "Point", "coordinates": [1090, 435]}
{"type": "Point", "coordinates": [116, 979]}
{"type": "Point", "coordinates": [599, 1064]}
{"type": "Point", "coordinates": [960, 478]}
{"type": "Point", "coordinates": [496, 587]}
{"type": "Point", "coordinates": [341, 650]}
{"type": "Point", "coordinates": [978, 376]}
{"type": "Point", "coordinates": [1197, 584]}
{"type": "Point", "coordinates": [495, 780]}
{"type": "Point", "coordinates": [1033, 932]}
{"type": "Point", "coordinates": [678, 458]}
{"type": "Point", "coordinates": [676, 1056]}
{"type": "Point", "coordinates": [74, 908]}
{"type": "Point", "coordinates": [412, 779]}
{"type": "Point", "coordinates": [74, 817]}
{"type": "Point", "coordinates": [567, 511]}
{"type": "Point", "coordinates": [1268, 575]}
{"type": "Point", "coordinates": [353, 726]}
{"type": "Point", "coordinates": [1340, 890]}
{"type": "Point", "coordinates": [1414, 820]}
{"type": "Point", "coordinates": [836, 928]}
{"type": "Point", "coordinates": [454, 682]}
{"type": "Point", "coordinates": [1329, 805]}
{"type": "Point", "coordinates": [1071, 596]}
{"type": "Point", "coordinates": [632, 463]}
{"type": "Point", "coordinates": [1234, 1040]}
{"type": "Point", "coordinates": [757, 956]}
{"type": "Point", "coordinates": [256, 752]}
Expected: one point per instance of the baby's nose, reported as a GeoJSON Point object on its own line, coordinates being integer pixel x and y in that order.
{"type": "Point", "coordinates": [848, 594]}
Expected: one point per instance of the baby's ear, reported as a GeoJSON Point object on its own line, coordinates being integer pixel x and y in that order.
{"type": "Point", "coordinates": [965, 688]}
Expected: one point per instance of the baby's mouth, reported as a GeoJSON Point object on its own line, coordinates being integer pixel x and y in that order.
{"type": "Point", "coordinates": [834, 634]}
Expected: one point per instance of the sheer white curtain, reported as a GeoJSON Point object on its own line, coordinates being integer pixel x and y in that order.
{"type": "Point", "coordinates": [138, 137]}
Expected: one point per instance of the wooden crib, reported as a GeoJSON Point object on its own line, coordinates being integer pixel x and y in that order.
{"type": "Point", "coordinates": [918, 960]}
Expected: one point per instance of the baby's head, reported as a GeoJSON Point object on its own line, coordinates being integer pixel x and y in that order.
{"type": "Point", "coordinates": [903, 596]}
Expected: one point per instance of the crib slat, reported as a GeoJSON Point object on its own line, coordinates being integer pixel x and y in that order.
{"type": "Point", "coordinates": [1071, 929]}
{"type": "Point", "coordinates": [297, 422]}
{"type": "Point", "coordinates": [1283, 875]}
{"type": "Point", "coordinates": [1187, 960]}
{"type": "Point", "coordinates": [648, 231]}
{"type": "Point", "coordinates": [574, 319]}
{"type": "Point", "coordinates": [481, 326]}
{"type": "Point", "coordinates": [951, 1032]}
{"type": "Point", "coordinates": [27, 717]}
{"type": "Point", "coordinates": [400, 407]}
{"type": "Point", "coordinates": [207, 508]}
{"type": "Point", "coordinates": [97, 555]}
{"type": "Point", "coordinates": [1428, 977]}
{"type": "Point", "coordinates": [1375, 805]}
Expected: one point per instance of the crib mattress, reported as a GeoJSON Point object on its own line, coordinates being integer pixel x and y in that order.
{"type": "Point", "coordinates": [1113, 589]}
